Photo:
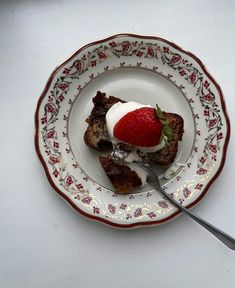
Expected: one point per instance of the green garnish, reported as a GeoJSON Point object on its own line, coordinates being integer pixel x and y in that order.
{"type": "Point", "coordinates": [159, 112]}
{"type": "Point", "coordinates": [167, 131]}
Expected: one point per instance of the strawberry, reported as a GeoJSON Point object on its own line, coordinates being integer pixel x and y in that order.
{"type": "Point", "coordinates": [140, 127]}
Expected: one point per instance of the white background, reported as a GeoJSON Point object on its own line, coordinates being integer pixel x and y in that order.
{"type": "Point", "coordinates": [43, 242]}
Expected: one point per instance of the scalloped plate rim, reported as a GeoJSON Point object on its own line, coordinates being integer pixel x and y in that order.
{"type": "Point", "coordinates": [140, 223]}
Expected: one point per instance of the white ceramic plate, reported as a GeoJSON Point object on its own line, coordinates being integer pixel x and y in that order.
{"type": "Point", "coordinates": [144, 69]}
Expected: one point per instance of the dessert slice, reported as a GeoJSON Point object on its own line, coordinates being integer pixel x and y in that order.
{"type": "Point", "coordinates": [122, 178]}
{"type": "Point", "coordinates": [149, 133]}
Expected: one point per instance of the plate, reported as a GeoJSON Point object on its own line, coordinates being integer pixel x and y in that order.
{"type": "Point", "coordinates": [145, 69]}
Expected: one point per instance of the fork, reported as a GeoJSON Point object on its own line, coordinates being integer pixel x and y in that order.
{"type": "Point", "coordinates": [153, 181]}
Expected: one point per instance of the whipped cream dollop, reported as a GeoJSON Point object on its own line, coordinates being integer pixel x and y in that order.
{"type": "Point", "coordinates": [116, 112]}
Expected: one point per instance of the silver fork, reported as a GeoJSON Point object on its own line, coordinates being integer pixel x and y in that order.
{"type": "Point", "coordinates": [153, 180]}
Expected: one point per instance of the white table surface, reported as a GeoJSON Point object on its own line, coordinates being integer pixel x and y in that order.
{"type": "Point", "coordinates": [43, 242]}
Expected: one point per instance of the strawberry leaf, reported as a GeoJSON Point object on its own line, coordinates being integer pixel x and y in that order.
{"type": "Point", "coordinates": [159, 112]}
{"type": "Point", "coordinates": [167, 131]}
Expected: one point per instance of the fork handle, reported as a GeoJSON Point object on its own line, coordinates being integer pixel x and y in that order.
{"type": "Point", "coordinates": [222, 236]}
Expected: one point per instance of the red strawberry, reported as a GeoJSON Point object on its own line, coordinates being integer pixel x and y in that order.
{"type": "Point", "coordinates": [140, 127]}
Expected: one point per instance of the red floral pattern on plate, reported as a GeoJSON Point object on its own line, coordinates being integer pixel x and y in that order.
{"type": "Point", "coordinates": [166, 59]}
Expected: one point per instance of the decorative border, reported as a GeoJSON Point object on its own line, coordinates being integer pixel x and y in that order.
{"type": "Point", "coordinates": [193, 79]}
